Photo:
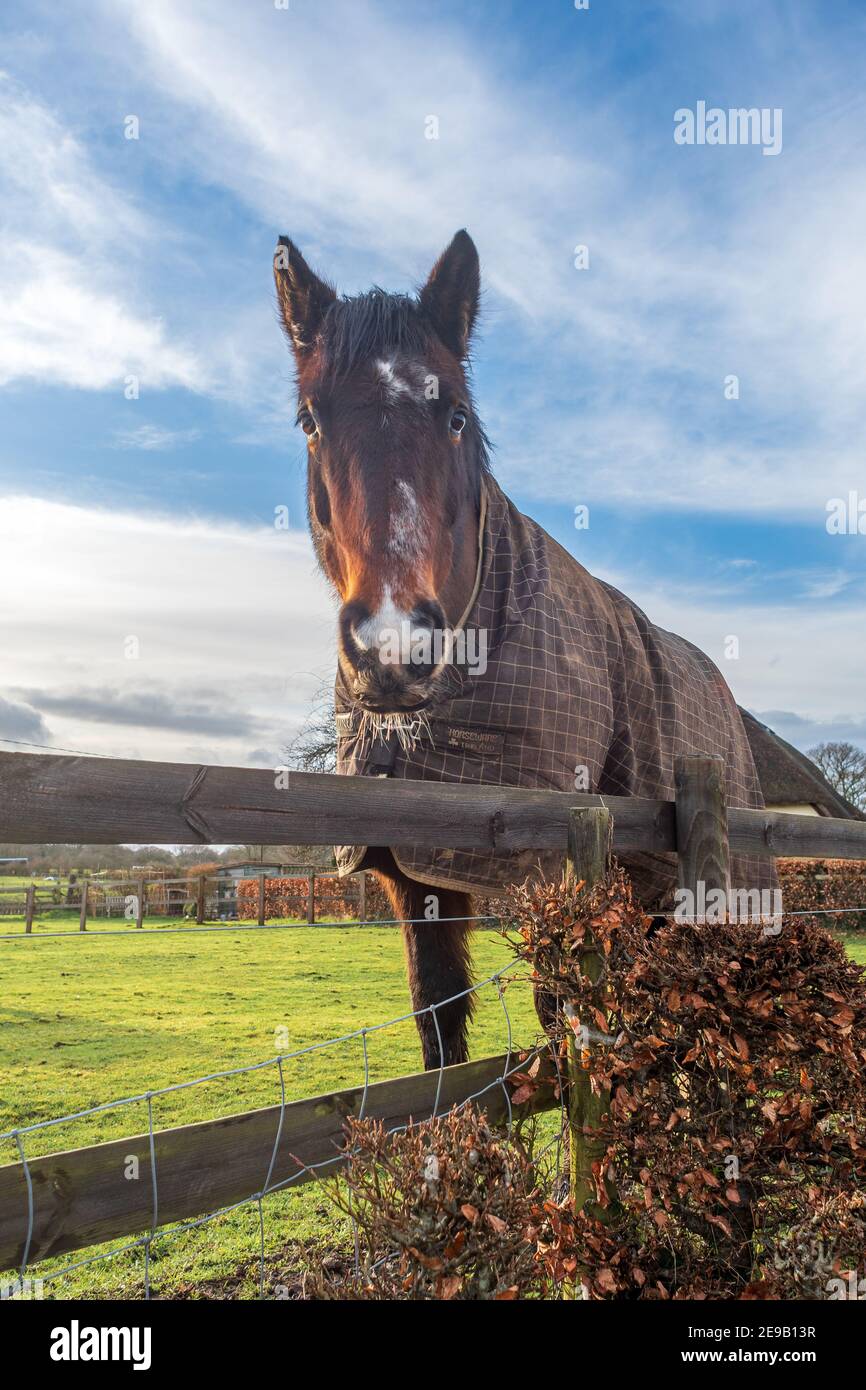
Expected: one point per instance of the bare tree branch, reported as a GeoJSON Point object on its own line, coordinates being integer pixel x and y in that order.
{"type": "Point", "coordinates": [844, 766]}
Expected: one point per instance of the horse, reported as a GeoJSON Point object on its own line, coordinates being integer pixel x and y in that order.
{"type": "Point", "coordinates": [568, 684]}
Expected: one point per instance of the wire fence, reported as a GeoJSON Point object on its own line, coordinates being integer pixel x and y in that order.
{"type": "Point", "coordinates": [486, 921]}
{"type": "Point", "coordinates": [514, 1061]}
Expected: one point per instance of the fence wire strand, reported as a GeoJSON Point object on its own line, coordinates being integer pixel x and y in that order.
{"type": "Point", "coordinates": [91, 935]}
{"type": "Point", "coordinates": [494, 920]}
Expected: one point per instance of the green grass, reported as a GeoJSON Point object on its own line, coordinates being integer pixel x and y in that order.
{"type": "Point", "coordinates": [85, 1021]}
{"type": "Point", "coordinates": [23, 881]}
{"type": "Point", "coordinates": [856, 947]}
{"type": "Point", "coordinates": [19, 880]}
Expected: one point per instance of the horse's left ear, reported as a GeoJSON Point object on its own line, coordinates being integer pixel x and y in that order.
{"type": "Point", "coordinates": [304, 299]}
{"type": "Point", "coordinates": [450, 297]}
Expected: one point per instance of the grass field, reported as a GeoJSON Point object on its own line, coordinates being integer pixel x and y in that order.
{"type": "Point", "coordinates": [84, 1021]}
{"type": "Point", "coordinates": [21, 881]}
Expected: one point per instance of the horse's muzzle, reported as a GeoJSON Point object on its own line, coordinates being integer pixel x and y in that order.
{"type": "Point", "coordinates": [393, 670]}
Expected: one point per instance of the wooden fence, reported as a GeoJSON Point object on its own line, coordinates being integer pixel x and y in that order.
{"type": "Point", "coordinates": [81, 1197]}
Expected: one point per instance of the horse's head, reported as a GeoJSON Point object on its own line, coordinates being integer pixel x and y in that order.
{"type": "Point", "coordinates": [395, 462]}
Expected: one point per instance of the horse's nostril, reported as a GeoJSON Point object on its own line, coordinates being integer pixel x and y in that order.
{"type": "Point", "coordinates": [352, 615]}
{"type": "Point", "coordinates": [428, 629]}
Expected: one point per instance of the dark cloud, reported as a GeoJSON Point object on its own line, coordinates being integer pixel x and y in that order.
{"type": "Point", "coordinates": [261, 757]}
{"type": "Point", "coordinates": [19, 721]}
{"type": "Point", "coordinates": [147, 710]}
{"type": "Point", "coordinates": [805, 732]}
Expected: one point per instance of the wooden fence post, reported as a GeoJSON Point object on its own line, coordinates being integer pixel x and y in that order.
{"type": "Point", "coordinates": [29, 905]}
{"type": "Point", "coordinates": [199, 909]}
{"type": "Point", "coordinates": [82, 919]}
{"type": "Point", "coordinates": [703, 852]}
{"type": "Point", "coordinates": [362, 897]}
{"type": "Point", "coordinates": [140, 906]}
{"type": "Point", "coordinates": [311, 899]}
{"type": "Point", "coordinates": [261, 918]}
{"type": "Point", "coordinates": [589, 839]}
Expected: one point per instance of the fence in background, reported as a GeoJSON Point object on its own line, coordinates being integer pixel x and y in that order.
{"type": "Point", "coordinates": [197, 897]}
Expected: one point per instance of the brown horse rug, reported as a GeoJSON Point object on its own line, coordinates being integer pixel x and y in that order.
{"type": "Point", "coordinates": [580, 691]}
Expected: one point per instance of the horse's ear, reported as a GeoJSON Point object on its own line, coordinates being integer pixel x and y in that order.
{"type": "Point", "coordinates": [304, 299]}
{"type": "Point", "coordinates": [450, 297]}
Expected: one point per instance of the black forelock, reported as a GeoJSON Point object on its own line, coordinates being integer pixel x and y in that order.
{"type": "Point", "coordinates": [362, 326]}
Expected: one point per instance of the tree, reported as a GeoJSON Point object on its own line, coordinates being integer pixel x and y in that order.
{"type": "Point", "coordinates": [314, 747]}
{"type": "Point", "coordinates": [844, 766]}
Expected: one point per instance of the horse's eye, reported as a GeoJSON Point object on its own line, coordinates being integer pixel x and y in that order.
{"type": "Point", "coordinates": [308, 424]}
{"type": "Point", "coordinates": [457, 423]}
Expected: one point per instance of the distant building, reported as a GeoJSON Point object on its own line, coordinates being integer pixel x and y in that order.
{"type": "Point", "coordinates": [228, 876]}
{"type": "Point", "coordinates": [250, 868]}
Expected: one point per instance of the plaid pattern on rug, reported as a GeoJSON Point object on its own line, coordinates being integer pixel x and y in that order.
{"type": "Point", "coordinates": [581, 692]}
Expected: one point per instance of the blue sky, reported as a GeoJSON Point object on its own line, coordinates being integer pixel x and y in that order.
{"type": "Point", "coordinates": [152, 518]}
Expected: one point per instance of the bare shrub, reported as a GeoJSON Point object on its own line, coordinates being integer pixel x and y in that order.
{"type": "Point", "coordinates": [447, 1209]}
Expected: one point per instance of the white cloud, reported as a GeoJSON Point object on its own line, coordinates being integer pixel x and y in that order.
{"type": "Point", "coordinates": [154, 437]}
{"type": "Point", "coordinates": [57, 328]}
{"type": "Point", "coordinates": [18, 720]}
{"type": "Point", "coordinates": [232, 626]}
{"type": "Point", "coordinates": [806, 733]}
{"type": "Point", "coordinates": [359, 177]}
{"type": "Point", "coordinates": [766, 278]}
{"type": "Point", "coordinates": [235, 629]}
{"type": "Point", "coordinates": [68, 314]}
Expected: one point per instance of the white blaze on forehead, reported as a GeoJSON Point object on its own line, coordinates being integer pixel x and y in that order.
{"type": "Point", "coordinates": [404, 532]}
{"type": "Point", "coordinates": [394, 385]}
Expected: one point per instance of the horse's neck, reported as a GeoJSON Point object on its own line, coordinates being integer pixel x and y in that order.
{"type": "Point", "coordinates": [458, 589]}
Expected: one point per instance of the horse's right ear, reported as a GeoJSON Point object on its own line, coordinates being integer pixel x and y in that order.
{"type": "Point", "coordinates": [304, 299]}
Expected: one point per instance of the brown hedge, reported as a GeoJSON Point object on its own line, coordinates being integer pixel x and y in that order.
{"type": "Point", "coordinates": [287, 897]}
{"type": "Point", "coordinates": [826, 883]}
{"type": "Point", "coordinates": [447, 1209]}
{"type": "Point", "coordinates": [737, 1129]}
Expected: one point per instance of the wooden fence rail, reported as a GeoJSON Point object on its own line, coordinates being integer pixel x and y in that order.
{"type": "Point", "coordinates": [62, 799]}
